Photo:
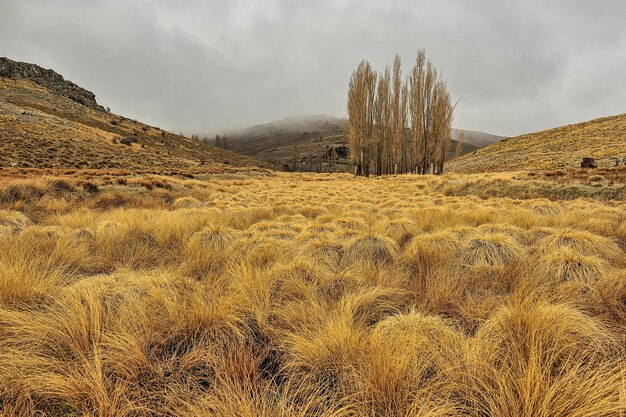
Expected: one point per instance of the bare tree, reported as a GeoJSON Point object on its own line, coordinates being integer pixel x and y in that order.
{"type": "Point", "coordinates": [417, 111]}
{"type": "Point", "coordinates": [405, 148]}
{"type": "Point", "coordinates": [379, 112]}
{"type": "Point", "coordinates": [370, 85]}
{"type": "Point", "coordinates": [459, 148]}
{"type": "Point", "coordinates": [296, 157]}
{"type": "Point", "coordinates": [442, 126]}
{"type": "Point", "coordinates": [396, 103]}
{"type": "Point", "coordinates": [356, 116]}
{"type": "Point", "coordinates": [361, 95]}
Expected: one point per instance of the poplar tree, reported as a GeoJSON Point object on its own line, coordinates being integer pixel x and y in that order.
{"type": "Point", "coordinates": [396, 103]}
{"type": "Point", "coordinates": [361, 95]}
{"type": "Point", "coordinates": [399, 126]}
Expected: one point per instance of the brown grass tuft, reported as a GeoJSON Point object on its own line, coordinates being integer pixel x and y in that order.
{"type": "Point", "coordinates": [370, 249]}
{"type": "Point", "coordinates": [493, 250]}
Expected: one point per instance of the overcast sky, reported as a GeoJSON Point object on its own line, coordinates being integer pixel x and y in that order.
{"type": "Point", "coordinates": [208, 65]}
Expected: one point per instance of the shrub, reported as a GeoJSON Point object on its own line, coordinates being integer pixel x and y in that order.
{"type": "Point", "coordinates": [61, 187]}
{"type": "Point", "coordinates": [90, 187]}
{"type": "Point", "coordinates": [25, 193]}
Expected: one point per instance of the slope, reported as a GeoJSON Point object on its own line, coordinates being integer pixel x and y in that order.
{"type": "Point", "coordinates": [561, 147]}
{"type": "Point", "coordinates": [48, 122]}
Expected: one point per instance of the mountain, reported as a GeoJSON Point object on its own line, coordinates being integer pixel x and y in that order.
{"type": "Point", "coordinates": [477, 139]}
{"type": "Point", "coordinates": [561, 147]}
{"type": "Point", "coordinates": [49, 122]}
{"type": "Point", "coordinates": [274, 142]}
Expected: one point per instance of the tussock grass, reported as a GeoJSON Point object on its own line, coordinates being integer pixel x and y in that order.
{"type": "Point", "coordinates": [569, 265]}
{"type": "Point", "coordinates": [370, 249]}
{"type": "Point", "coordinates": [186, 202]}
{"type": "Point", "coordinates": [431, 249]}
{"type": "Point", "coordinates": [544, 359]}
{"type": "Point", "coordinates": [13, 221]}
{"type": "Point", "coordinates": [306, 296]}
{"type": "Point", "coordinates": [582, 242]}
{"type": "Point", "coordinates": [400, 230]}
{"type": "Point", "coordinates": [492, 250]}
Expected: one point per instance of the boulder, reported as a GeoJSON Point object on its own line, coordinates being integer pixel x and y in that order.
{"type": "Point", "coordinates": [588, 163]}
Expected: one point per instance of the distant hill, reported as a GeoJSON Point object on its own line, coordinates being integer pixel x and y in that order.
{"type": "Point", "coordinates": [477, 139]}
{"type": "Point", "coordinates": [274, 142]}
{"type": "Point", "coordinates": [561, 147]}
{"type": "Point", "coordinates": [49, 122]}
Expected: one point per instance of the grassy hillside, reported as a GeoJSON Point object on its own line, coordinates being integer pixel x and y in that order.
{"type": "Point", "coordinates": [561, 147]}
{"type": "Point", "coordinates": [302, 295]}
{"type": "Point", "coordinates": [43, 127]}
{"type": "Point", "coordinates": [274, 142]}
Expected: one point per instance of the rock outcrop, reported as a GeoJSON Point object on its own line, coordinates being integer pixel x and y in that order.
{"type": "Point", "coordinates": [48, 79]}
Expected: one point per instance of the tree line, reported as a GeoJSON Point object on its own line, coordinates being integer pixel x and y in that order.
{"type": "Point", "coordinates": [399, 126]}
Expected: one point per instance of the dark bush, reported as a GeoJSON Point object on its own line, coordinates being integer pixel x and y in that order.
{"type": "Point", "coordinates": [25, 193]}
{"type": "Point", "coordinates": [61, 187]}
{"type": "Point", "coordinates": [90, 187]}
{"type": "Point", "coordinates": [165, 185]}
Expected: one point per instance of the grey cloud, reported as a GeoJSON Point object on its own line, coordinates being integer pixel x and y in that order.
{"type": "Point", "coordinates": [204, 66]}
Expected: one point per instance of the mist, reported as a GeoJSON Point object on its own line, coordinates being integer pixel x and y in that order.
{"type": "Point", "coordinates": [207, 66]}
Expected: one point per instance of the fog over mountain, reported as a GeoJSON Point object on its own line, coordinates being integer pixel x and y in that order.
{"type": "Point", "coordinates": [207, 66]}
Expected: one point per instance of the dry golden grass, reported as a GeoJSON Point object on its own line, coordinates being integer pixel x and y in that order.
{"type": "Point", "coordinates": [268, 294]}
{"type": "Point", "coordinates": [561, 147]}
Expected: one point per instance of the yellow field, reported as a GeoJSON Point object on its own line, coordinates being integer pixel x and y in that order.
{"type": "Point", "coordinates": [262, 294]}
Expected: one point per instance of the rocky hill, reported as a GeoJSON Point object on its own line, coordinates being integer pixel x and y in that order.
{"type": "Point", "coordinates": [48, 79]}
{"type": "Point", "coordinates": [49, 122]}
{"type": "Point", "coordinates": [563, 147]}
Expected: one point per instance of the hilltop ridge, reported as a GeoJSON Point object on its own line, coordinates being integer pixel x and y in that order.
{"type": "Point", "coordinates": [48, 79]}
